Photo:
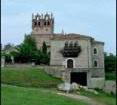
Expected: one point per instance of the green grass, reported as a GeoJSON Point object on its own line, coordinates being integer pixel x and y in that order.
{"type": "Point", "coordinates": [35, 77]}
{"type": "Point", "coordinates": [110, 76]}
{"type": "Point", "coordinates": [28, 77]}
{"type": "Point", "coordinates": [14, 95]}
{"type": "Point", "coordinates": [107, 99]}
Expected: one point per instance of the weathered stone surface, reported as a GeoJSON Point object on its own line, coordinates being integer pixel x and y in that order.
{"type": "Point", "coordinates": [110, 87]}
{"type": "Point", "coordinates": [64, 87]}
{"type": "Point", "coordinates": [97, 82]}
{"type": "Point", "coordinates": [88, 90]}
{"type": "Point", "coordinates": [75, 86]}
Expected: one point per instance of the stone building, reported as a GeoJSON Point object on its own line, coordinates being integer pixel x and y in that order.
{"type": "Point", "coordinates": [80, 58]}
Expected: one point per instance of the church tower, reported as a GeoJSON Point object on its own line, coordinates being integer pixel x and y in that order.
{"type": "Point", "coordinates": [42, 24]}
{"type": "Point", "coordinates": [42, 29]}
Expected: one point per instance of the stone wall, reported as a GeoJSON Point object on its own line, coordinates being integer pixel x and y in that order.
{"type": "Point", "coordinates": [97, 72]}
{"type": "Point", "coordinates": [57, 58]}
{"type": "Point", "coordinates": [64, 74]}
{"type": "Point", "coordinates": [110, 87]}
{"type": "Point", "coordinates": [97, 83]}
{"type": "Point", "coordinates": [100, 54]}
{"type": "Point", "coordinates": [53, 70]}
{"type": "Point", "coordinates": [40, 38]}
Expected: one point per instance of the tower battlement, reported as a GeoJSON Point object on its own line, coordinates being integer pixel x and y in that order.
{"type": "Point", "coordinates": [43, 20]}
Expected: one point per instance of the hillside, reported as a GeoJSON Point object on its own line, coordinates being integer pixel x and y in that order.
{"type": "Point", "coordinates": [28, 77]}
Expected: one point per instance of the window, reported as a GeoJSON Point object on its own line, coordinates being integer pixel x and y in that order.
{"type": "Point", "coordinates": [95, 51]}
{"type": "Point", "coordinates": [48, 23]}
{"type": "Point", "coordinates": [44, 23]}
{"type": "Point", "coordinates": [95, 63]}
{"type": "Point", "coordinates": [39, 23]}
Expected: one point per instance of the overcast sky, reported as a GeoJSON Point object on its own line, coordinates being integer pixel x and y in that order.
{"type": "Point", "coordinates": [94, 18]}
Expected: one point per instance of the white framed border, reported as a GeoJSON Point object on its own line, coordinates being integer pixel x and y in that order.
{"type": "Point", "coordinates": [67, 60]}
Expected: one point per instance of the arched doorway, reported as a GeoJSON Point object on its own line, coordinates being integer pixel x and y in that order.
{"type": "Point", "coordinates": [69, 63]}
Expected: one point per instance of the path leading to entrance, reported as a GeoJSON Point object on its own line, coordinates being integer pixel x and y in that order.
{"type": "Point", "coordinates": [88, 100]}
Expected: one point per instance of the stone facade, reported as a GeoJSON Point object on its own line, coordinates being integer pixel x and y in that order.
{"type": "Point", "coordinates": [90, 57]}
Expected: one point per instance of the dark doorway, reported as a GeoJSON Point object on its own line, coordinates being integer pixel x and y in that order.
{"type": "Point", "coordinates": [69, 63]}
{"type": "Point", "coordinates": [80, 78]}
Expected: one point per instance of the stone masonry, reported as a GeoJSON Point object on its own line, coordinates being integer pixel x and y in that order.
{"type": "Point", "coordinates": [65, 55]}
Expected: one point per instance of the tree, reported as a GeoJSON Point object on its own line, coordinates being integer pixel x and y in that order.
{"type": "Point", "coordinates": [25, 51]}
{"type": "Point", "coordinates": [28, 52]}
{"type": "Point", "coordinates": [110, 62]}
{"type": "Point", "coordinates": [44, 48]}
{"type": "Point", "coordinates": [45, 56]}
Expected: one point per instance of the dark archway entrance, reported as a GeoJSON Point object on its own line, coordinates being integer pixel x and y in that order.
{"type": "Point", "coordinates": [69, 63]}
{"type": "Point", "coordinates": [80, 78]}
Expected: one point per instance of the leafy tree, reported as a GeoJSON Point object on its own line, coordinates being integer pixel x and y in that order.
{"type": "Point", "coordinates": [45, 56]}
{"type": "Point", "coordinates": [25, 51]}
{"type": "Point", "coordinates": [28, 52]}
{"type": "Point", "coordinates": [110, 62]}
{"type": "Point", "coordinates": [29, 40]}
{"type": "Point", "coordinates": [44, 48]}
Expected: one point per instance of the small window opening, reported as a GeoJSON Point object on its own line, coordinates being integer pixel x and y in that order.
{"type": "Point", "coordinates": [35, 23]}
{"type": "Point", "coordinates": [95, 51]}
{"type": "Point", "coordinates": [39, 23]}
{"type": "Point", "coordinates": [48, 23]}
{"type": "Point", "coordinates": [44, 23]}
{"type": "Point", "coordinates": [95, 63]}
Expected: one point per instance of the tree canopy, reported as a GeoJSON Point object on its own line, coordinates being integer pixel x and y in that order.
{"type": "Point", "coordinates": [110, 62]}
{"type": "Point", "coordinates": [27, 52]}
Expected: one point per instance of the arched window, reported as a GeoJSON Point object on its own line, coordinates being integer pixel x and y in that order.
{"type": "Point", "coordinates": [48, 23]}
{"type": "Point", "coordinates": [69, 63]}
{"type": "Point", "coordinates": [45, 23]}
{"type": "Point", "coordinates": [95, 63]}
{"type": "Point", "coordinates": [39, 23]}
{"type": "Point", "coordinates": [94, 51]}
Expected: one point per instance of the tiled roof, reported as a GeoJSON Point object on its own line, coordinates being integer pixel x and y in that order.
{"type": "Point", "coordinates": [70, 36]}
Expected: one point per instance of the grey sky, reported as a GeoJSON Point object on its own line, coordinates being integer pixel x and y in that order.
{"type": "Point", "coordinates": [94, 18]}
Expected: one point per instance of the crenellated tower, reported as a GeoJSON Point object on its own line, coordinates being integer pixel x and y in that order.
{"type": "Point", "coordinates": [42, 23]}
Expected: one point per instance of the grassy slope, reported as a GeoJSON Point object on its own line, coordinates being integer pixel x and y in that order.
{"type": "Point", "coordinates": [33, 77]}
{"type": "Point", "coordinates": [14, 95]}
{"type": "Point", "coordinates": [101, 97]}
{"type": "Point", "coordinates": [28, 77]}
